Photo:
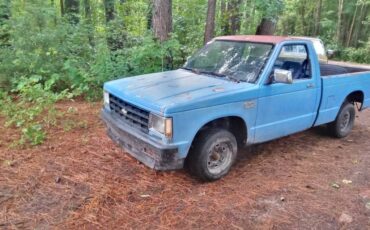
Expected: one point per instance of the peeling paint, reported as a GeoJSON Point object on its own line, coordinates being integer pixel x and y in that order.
{"type": "Point", "coordinates": [217, 90]}
{"type": "Point", "coordinates": [250, 104]}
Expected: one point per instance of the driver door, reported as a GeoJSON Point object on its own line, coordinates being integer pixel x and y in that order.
{"type": "Point", "coordinates": [284, 109]}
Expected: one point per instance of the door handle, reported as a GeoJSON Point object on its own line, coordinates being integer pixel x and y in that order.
{"type": "Point", "coordinates": [310, 85]}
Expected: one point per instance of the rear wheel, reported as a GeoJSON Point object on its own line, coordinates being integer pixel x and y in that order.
{"type": "Point", "coordinates": [344, 122]}
{"type": "Point", "coordinates": [212, 154]}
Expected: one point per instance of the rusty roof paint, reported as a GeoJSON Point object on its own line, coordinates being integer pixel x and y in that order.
{"type": "Point", "coordinates": [255, 38]}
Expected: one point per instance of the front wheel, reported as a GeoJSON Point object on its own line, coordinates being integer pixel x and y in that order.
{"type": "Point", "coordinates": [212, 154]}
{"type": "Point", "coordinates": [344, 122]}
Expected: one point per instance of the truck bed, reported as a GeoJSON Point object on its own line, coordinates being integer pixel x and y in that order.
{"type": "Point", "coordinates": [338, 85]}
{"type": "Point", "coordinates": [342, 68]}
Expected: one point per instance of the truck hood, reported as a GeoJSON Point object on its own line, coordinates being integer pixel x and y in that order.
{"type": "Point", "coordinates": [174, 91]}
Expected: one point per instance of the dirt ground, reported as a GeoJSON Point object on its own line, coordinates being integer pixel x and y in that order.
{"type": "Point", "coordinates": [78, 179]}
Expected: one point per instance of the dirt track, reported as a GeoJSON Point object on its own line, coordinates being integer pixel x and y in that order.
{"type": "Point", "coordinates": [80, 179]}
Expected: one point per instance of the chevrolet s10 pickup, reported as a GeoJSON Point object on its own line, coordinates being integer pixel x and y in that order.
{"type": "Point", "coordinates": [235, 91]}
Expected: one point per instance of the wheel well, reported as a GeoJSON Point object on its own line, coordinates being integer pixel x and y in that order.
{"type": "Point", "coordinates": [235, 125]}
{"type": "Point", "coordinates": [357, 96]}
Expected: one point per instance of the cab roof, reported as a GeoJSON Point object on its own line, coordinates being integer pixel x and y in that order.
{"type": "Point", "coordinates": [261, 38]}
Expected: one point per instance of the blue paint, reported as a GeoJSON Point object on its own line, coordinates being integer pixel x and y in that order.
{"type": "Point", "coordinates": [277, 110]}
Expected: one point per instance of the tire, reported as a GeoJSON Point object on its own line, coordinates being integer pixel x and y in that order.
{"type": "Point", "coordinates": [212, 154]}
{"type": "Point", "coordinates": [344, 122]}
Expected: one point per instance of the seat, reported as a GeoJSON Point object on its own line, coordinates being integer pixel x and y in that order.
{"type": "Point", "coordinates": [295, 67]}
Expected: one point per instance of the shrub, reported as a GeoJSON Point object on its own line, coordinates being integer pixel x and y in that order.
{"type": "Point", "coordinates": [32, 109]}
{"type": "Point", "coordinates": [360, 55]}
{"type": "Point", "coordinates": [49, 60]}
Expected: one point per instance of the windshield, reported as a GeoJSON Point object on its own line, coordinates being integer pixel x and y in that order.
{"type": "Point", "coordinates": [238, 61]}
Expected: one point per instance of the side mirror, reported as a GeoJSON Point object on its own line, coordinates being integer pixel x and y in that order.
{"type": "Point", "coordinates": [330, 53]}
{"type": "Point", "coordinates": [283, 76]}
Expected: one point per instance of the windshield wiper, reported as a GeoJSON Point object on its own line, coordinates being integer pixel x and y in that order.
{"type": "Point", "coordinates": [186, 68]}
{"type": "Point", "coordinates": [234, 79]}
{"type": "Point", "coordinates": [213, 73]}
{"type": "Point", "coordinates": [191, 69]}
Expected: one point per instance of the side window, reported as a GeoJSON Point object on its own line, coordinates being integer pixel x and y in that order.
{"type": "Point", "coordinates": [295, 59]}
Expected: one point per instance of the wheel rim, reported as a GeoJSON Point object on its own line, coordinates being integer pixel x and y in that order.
{"type": "Point", "coordinates": [219, 158]}
{"type": "Point", "coordinates": [345, 121]}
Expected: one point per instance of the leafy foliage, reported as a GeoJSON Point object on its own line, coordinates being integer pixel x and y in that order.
{"type": "Point", "coordinates": [270, 8]}
{"type": "Point", "coordinates": [33, 107]}
{"type": "Point", "coordinates": [360, 55]}
{"type": "Point", "coordinates": [50, 60]}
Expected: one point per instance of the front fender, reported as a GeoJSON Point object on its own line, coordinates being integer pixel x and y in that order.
{"type": "Point", "coordinates": [188, 123]}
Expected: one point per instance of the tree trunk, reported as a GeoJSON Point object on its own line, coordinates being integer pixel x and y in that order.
{"type": "Point", "coordinates": [62, 7]}
{"type": "Point", "coordinates": [364, 33]}
{"type": "Point", "coordinates": [339, 23]}
{"type": "Point", "coordinates": [266, 27]}
{"type": "Point", "coordinates": [318, 18]}
{"type": "Point", "coordinates": [55, 16]}
{"type": "Point", "coordinates": [352, 25]}
{"type": "Point", "coordinates": [109, 10]}
{"type": "Point", "coordinates": [4, 19]}
{"type": "Point", "coordinates": [162, 19]}
{"type": "Point", "coordinates": [361, 28]}
{"type": "Point", "coordinates": [4, 11]}
{"type": "Point", "coordinates": [251, 24]}
{"type": "Point", "coordinates": [88, 16]}
{"type": "Point", "coordinates": [301, 12]}
{"type": "Point", "coordinates": [246, 17]}
{"type": "Point", "coordinates": [149, 16]}
{"type": "Point", "coordinates": [210, 22]}
{"type": "Point", "coordinates": [115, 39]}
{"type": "Point", "coordinates": [230, 16]}
{"type": "Point", "coordinates": [224, 18]}
{"type": "Point", "coordinates": [235, 16]}
{"type": "Point", "coordinates": [87, 6]}
{"type": "Point", "coordinates": [72, 8]}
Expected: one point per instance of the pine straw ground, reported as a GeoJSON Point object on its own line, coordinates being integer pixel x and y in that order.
{"type": "Point", "coordinates": [78, 179]}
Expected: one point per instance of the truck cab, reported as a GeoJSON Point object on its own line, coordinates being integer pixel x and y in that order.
{"type": "Point", "coordinates": [235, 91]}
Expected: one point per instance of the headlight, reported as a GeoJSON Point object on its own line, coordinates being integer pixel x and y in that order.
{"type": "Point", "coordinates": [161, 124]}
{"type": "Point", "coordinates": [106, 98]}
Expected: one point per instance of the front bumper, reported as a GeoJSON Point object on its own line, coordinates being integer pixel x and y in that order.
{"type": "Point", "coordinates": [154, 155]}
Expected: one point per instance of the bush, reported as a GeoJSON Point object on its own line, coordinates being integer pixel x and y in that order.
{"type": "Point", "coordinates": [48, 48]}
{"type": "Point", "coordinates": [49, 60]}
{"type": "Point", "coordinates": [32, 109]}
{"type": "Point", "coordinates": [360, 55]}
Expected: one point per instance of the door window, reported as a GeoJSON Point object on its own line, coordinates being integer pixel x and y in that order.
{"type": "Point", "coordinates": [295, 59]}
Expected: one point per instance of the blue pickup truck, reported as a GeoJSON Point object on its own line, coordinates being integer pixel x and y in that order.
{"type": "Point", "coordinates": [235, 91]}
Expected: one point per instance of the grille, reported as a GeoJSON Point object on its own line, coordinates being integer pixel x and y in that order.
{"type": "Point", "coordinates": [132, 115]}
